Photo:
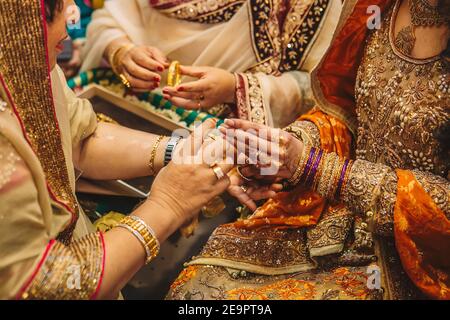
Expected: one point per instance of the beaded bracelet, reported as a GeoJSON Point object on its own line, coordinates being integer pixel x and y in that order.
{"type": "Point", "coordinates": [143, 233]}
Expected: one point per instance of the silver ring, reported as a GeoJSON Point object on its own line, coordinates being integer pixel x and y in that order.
{"type": "Point", "coordinates": [218, 172]}
{"type": "Point", "coordinates": [238, 169]}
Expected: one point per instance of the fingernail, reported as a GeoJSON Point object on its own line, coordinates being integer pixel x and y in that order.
{"type": "Point", "coordinates": [180, 89]}
{"type": "Point", "coordinates": [160, 68]}
{"type": "Point", "coordinates": [165, 91]}
{"type": "Point", "coordinates": [229, 122]}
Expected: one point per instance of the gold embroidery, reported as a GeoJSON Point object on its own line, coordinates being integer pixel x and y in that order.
{"type": "Point", "coordinates": [284, 51]}
{"type": "Point", "coordinates": [69, 272]}
{"type": "Point", "coordinates": [305, 131]}
{"type": "Point", "coordinates": [265, 247]}
{"type": "Point", "coordinates": [24, 69]}
{"type": "Point", "coordinates": [203, 11]}
{"type": "Point", "coordinates": [402, 104]}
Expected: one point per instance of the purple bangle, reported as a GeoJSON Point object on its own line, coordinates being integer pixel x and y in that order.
{"type": "Point", "coordinates": [341, 179]}
{"type": "Point", "coordinates": [310, 179]}
{"type": "Point", "coordinates": [308, 164]}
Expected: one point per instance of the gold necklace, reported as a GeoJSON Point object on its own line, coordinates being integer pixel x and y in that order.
{"type": "Point", "coordinates": [422, 15]}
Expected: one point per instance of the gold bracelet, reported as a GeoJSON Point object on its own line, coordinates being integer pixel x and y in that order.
{"type": "Point", "coordinates": [115, 54]}
{"type": "Point", "coordinates": [151, 163]}
{"type": "Point", "coordinates": [174, 76]}
{"type": "Point", "coordinates": [294, 180]}
{"type": "Point", "coordinates": [326, 175]}
{"type": "Point", "coordinates": [144, 234]}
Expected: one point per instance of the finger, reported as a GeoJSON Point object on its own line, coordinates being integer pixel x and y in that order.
{"type": "Point", "coordinates": [147, 62]}
{"type": "Point", "coordinates": [159, 56]}
{"type": "Point", "coordinates": [192, 71]}
{"type": "Point", "coordinates": [201, 85]}
{"type": "Point", "coordinates": [183, 103]}
{"type": "Point", "coordinates": [185, 95]}
{"type": "Point", "coordinates": [201, 132]}
{"type": "Point", "coordinates": [141, 73]}
{"type": "Point", "coordinates": [261, 193]}
{"type": "Point", "coordinates": [138, 84]}
{"type": "Point", "coordinates": [272, 134]}
{"type": "Point", "coordinates": [242, 197]}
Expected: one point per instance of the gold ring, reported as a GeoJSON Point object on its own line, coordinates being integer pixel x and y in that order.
{"type": "Point", "coordinates": [244, 188]}
{"type": "Point", "coordinates": [218, 172]}
{"type": "Point", "coordinates": [238, 169]}
{"type": "Point", "coordinates": [174, 75]}
{"type": "Point", "coordinates": [124, 80]}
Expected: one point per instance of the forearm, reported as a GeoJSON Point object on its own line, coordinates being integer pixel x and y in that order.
{"type": "Point", "coordinates": [97, 266]}
{"type": "Point", "coordinates": [125, 255]}
{"type": "Point", "coordinates": [367, 188]}
{"type": "Point", "coordinates": [116, 152]}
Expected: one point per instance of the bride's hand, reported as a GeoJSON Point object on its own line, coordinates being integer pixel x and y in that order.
{"type": "Point", "coordinates": [272, 152]}
{"type": "Point", "coordinates": [184, 186]}
{"type": "Point", "coordinates": [214, 86]}
{"type": "Point", "coordinates": [248, 192]}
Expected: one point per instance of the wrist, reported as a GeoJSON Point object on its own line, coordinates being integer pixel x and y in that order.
{"type": "Point", "coordinates": [231, 96]}
{"type": "Point", "coordinates": [294, 151]}
{"type": "Point", "coordinates": [160, 217]}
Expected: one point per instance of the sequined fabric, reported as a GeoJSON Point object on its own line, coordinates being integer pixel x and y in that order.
{"type": "Point", "coordinates": [24, 69]}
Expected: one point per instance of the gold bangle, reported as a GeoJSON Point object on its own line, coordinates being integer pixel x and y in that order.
{"type": "Point", "coordinates": [174, 76]}
{"type": "Point", "coordinates": [115, 54]}
{"type": "Point", "coordinates": [151, 163]}
{"type": "Point", "coordinates": [325, 175]}
{"type": "Point", "coordinates": [144, 234]}
{"type": "Point", "coordinates": [295, 179]}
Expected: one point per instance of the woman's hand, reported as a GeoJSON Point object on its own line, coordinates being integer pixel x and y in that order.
{"type": "Point", "coordinates": [142, 66]}
{"type": "Point", "coordinates": [214, 86]}
{"type": "Point", "coordinates": [188, 183]}
{"type": "Point", "coordinates": [248, 192]}
{"type": "Point", "coordinates": [269, 152]}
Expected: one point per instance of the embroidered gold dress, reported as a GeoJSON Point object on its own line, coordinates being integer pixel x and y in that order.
{"type": "Point", "coordinates": [402, 106]}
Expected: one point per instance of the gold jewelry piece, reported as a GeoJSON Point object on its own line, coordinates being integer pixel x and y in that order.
{"type": "Point", "coordinates": [202, 97]}
{"type": "Point", "coordinates": [244, 188]}
{"type": "Point", "coordinates": [119, 51]}
{"type": "Point", "coordinates": [199, 105]}
{"type": "Point", "coordinates": [104, 118]}
{"type": "Point", "coordinates": [151, 163]}
{"type": "Point", "coordinates": [124, 80]}
{"type": "Point", "coordinates": [174, 75]}
{"type": "Point", "coordinates": [144, 234]}
{"type": "Point", "coordinates": [425, 15]}
{"type": "Point", "coordinates": [238, 170]}
{"type": "Point", "coordinates": [218, 172]}
{"type": "Point", "coordinates": [405, 40]}
{"type": "Point", "coordinates": [295, 179]}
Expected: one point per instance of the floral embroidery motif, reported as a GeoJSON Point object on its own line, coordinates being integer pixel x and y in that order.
{"type": "Point", "coordinates": [284, 51]}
